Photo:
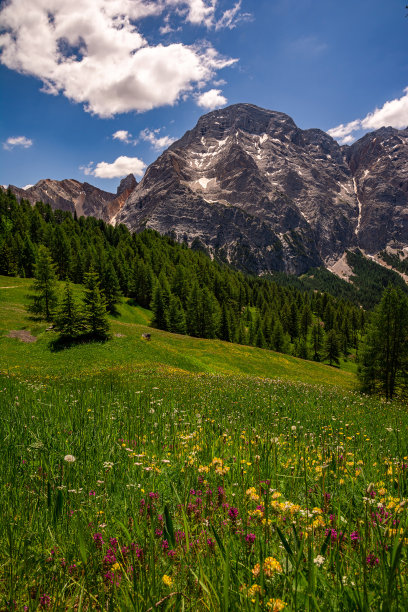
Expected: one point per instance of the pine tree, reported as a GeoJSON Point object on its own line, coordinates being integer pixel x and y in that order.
{"type": "Point", "coordinates": [305, 320]}
{"type": "Point", "coordinates": [278, 337]}
{"type": "Point", "coordinates": [176, 318]}
{"type": "Point", "coordinates": [225, 324]}
{"type": "Point", "coordinates": [210, 314]}
{"type": "Point", "coordinates": [110, 288]}
{"type": "Point", "coordinates": [158, 306]}
{"type": "Point", "coordinates": [45, 300]}
{"type": "Point", "coordinates": [331, 348]}
{"type": "Point", "coordinates": [193, 309]}
{"type": "Point", "coordinates": [317, 340]}
{"type": "Point", "coordinates": [385, 355]}
{"type": "Point", "coordinates": [68, 320]}
{"type": "Point", "coordinates": [96, 321]}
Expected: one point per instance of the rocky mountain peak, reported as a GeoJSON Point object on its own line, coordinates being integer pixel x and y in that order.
{"type": "Point", "coordinates": [254, 189]}
{"type": "Point", "coordinates": [126, 184]}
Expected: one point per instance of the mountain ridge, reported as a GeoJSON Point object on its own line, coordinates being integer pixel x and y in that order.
{"type": "Point", "coordinates": [253, 189]}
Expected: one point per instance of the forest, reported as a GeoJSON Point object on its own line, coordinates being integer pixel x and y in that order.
{"type": "Point", "coordinates": [187, 291]}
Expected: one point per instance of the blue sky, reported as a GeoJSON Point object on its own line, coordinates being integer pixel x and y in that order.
{"type": "Point", "coordinates": [94, 89]}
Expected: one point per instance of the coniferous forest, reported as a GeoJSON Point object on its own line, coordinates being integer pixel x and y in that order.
{"type": "Point", "coordinates": [187, 291]}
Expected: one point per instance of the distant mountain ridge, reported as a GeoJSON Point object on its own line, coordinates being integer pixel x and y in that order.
{"type": "Point", "coordinates": [249, 186]}
{"type": "Point", "coordinates": [80, 198]}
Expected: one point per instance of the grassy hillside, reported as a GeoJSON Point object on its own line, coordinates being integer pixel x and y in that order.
{"type": "Point", "coordinates": [127, 354]}
{"type": "Point", "coordinates": [176, 475]}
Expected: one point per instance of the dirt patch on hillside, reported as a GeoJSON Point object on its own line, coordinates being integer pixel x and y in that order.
{"type": "Point", "coordinates": [22, 335]}
{"type": "Point", "coordinates": [341, 268]}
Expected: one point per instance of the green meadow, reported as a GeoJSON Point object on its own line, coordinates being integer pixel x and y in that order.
{"type": "Point", "coordinates": [188, 474]}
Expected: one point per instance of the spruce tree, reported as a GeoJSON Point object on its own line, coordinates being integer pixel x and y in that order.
{"type": "Point", "coordinates": [317, 340]}
{"type": "Point", "coordinates": [158, 306]}
{"type": "Point", "coordinates": [96, 321]}
{"type": "Point", "coordinates": [176, 317]}
{"type": "Point", "coordinates": [68, 320]}
{"type": "Point", "coordinates": [331, 348]}
{"type": "Point", "coordinates": [385, 355]}
{"type": "Point", "coordinates": [278, 337]}
{"type": "Point", "coordinates": [45, 299]}
{"type": "Point", "coordinates": [110, 288]}
{"type": "Point", "coordinates": [225, 324]}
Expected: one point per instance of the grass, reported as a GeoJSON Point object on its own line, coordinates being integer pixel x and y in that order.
{"type": "Point", "coordinates": [127, 353]}
{"type": "Point", "coordinates": [178, 475]}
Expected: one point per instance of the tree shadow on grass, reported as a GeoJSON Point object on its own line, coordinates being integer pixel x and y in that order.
{"type": "Point", "coordinates": [63, 343]}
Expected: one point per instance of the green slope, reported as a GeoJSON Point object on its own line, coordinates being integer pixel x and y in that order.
{"type": "Point", "coordinates": [127, 354]}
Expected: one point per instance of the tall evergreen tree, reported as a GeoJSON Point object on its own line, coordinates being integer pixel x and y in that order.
{"type": "Point", "coordinates": [45, 299]}
{"type": "Point", "coordinates": [278, 337]}
{"type": "Point", "coordinates": [68, 319]}
{"type": "Point", "coordinates": [176, 316]}
{"type": "Point", "coordinates": [225, 324]}
{"type": "Point", "coordinates": [385, 355]}
{"type": "Point", "coordinates": [96, 321]}
{"type": "Point", "coordinates": [331, 348]}
{"type": "Point", "coordinates": [160, 311]}
{"type": "Point", "coordinates": [317, 340]}
{"type": "Point", "coordinates": [110, 287]}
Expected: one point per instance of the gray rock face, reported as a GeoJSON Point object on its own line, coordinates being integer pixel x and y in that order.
{"type": "Point", "coordinates": [126, 184]}
{"type": "Point", "coordinates": [69, 194]}
{"type": "Point", "coordinates": [379, 164]}
{"type": "Point", "coordinates": [250, 186]}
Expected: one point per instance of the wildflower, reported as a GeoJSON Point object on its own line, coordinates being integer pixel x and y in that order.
{"type": "Point", "coordinates": [45, 601]}
{"type": "Point", "coordinates": [372, 560]}
{"type": "Point", "coordinates": [98, 540]}
{"type": "Point", "coordinates": [233, 513]}
{"type": "Point", "coordinates": [168, 580]}
{"type": "Point", "coordinates": [253, 591]}
{"type": "Point", "coordinates": [69, 458]}
{"type": "Point", "coordinates": [115, 567]}
{"type": "Point", "coordinates": [319, 560]}
{"type": "Point", "coordinates": [250, 538]}
{"type": "Point", "coordinates": [355, 537]}
{"type": "Point", "coordinates": [271, 566]}
{"type": "Point", "coordinates": [276, 605]}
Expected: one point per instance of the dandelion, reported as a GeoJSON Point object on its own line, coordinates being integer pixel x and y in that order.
{"type": "Point", "coordinates": [69, 458]}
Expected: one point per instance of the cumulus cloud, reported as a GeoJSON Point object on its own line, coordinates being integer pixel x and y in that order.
{"type": "Point", "coordinates": [157, 142]}
{"type": "Point", "coordinates": [124, 136]}
{"type": "Point", "coordinates": [122, 166]}
{"type": "Point", "coordinates": [211, 99]}
{"type": "Point", "coordinates": [17, 141]}
{"type": "Point", "coordinates": [393, 113]}
{"type": "Point", "coordinates": [94, 53]}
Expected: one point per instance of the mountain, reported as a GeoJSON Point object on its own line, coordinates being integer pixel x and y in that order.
{"type": "Point", "coordinates": [82, 198]}
{"type": "Point", "coordinates": [251, 187]}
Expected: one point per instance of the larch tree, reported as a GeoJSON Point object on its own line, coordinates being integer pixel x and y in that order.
{"type": "Point", "coordinates": [45, 299]}
{"type": "Point", "coordinates": [384, 360]}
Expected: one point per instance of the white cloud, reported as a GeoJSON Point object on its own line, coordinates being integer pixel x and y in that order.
{"type": "Point", "coordinates": [94, 54]}
{"type": "Point", "coordinates": [231, 17]}
{"type": "Point", "coordinates": [17, 141]}
{"type": "Point", "coordinates": [122, 166]}
{"type": "Point", "coordinates": [157, 142]}
{"type": "Point", "coordinates": [393, 113]}
{"type": "Point", "coordinates": [211, 99]}
{"type": "Point", "coordinates": [124, 136]}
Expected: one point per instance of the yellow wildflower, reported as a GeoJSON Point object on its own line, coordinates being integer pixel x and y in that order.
{"type": "Point", "coordinates": [276, 605]}
{"type": "Point", "coordinates": [168, 580]}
